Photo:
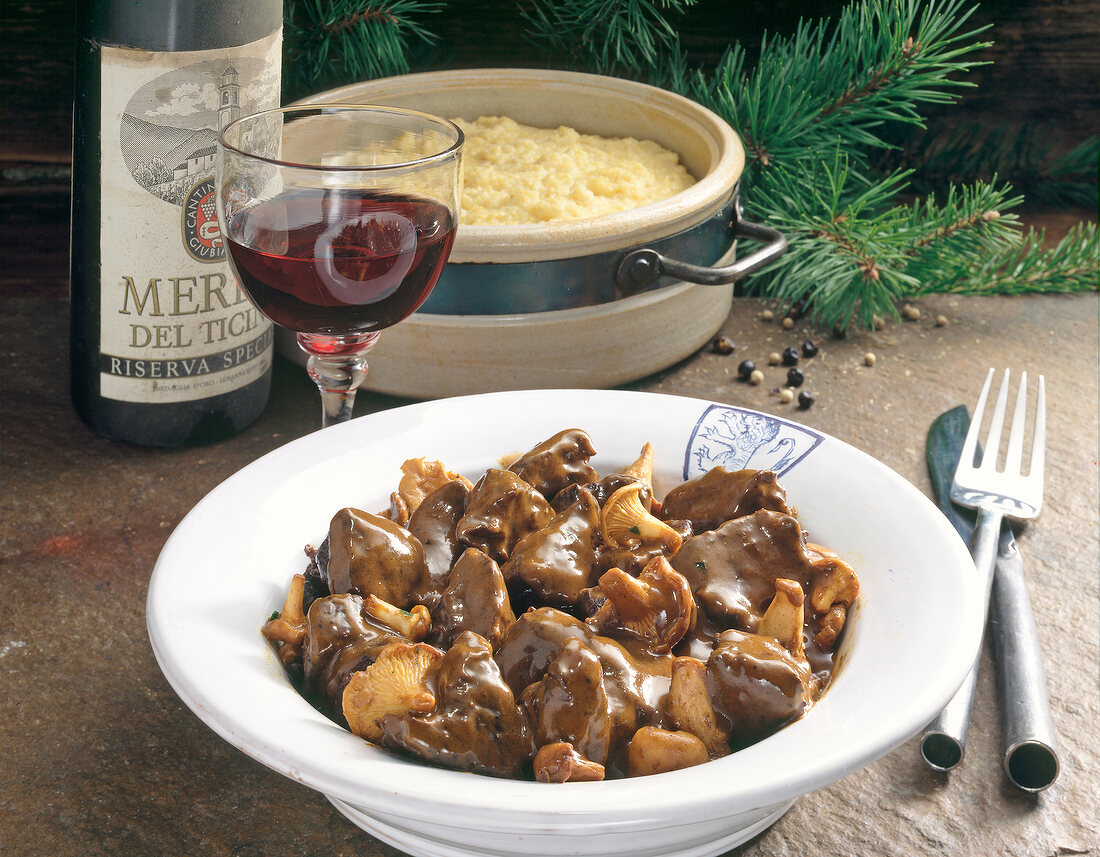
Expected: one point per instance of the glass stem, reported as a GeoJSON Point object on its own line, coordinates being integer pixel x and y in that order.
{"type": "Point", "coordinates": [338, 376]}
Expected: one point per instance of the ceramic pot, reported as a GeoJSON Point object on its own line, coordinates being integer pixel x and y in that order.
{"type": "Point", "coordinates": [588, 303]}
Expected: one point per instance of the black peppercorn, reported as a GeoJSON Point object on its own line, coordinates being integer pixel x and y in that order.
{"type": "Point", "coordinates": [746, 369]}
{"type": "Point", "coordinates": [790, 355]}
{"type": "Point", "coordinates": [809, 348]}
{"type": "Point", "coordinates": [805, 399]}
{"type": "Point", "coordinates": [722, 345]}
{"type": "Point", "coordinates": [795, 377]}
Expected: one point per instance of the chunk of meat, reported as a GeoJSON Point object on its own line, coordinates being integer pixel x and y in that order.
{"type": "Point", "coordinates": [732, 570]}
{"type": "Point", "coordinates": [476, 724]}
{"type": "Point", "coordinates": [501, 510]}
{"type": "Point", "coordinates": [756, 685]}
{"type": "Point", "coordinates": [601, 490]}
{"type": "Point", "coordinates": [371, 555]}
{"type": "Point", "coordinates": [340, 639]}
{"type": "Point", "coordinates": [557, 462]}
{"type": "Point", "coordinates": [721, 495]}
{"type": "Point", "coordinates": [434, 525]}
{"type": "Point", "coordinates": [569, 703]}
{"type": "Point", "coordinates": [475, 599]}
{"type": "Point", "coordinates": [558, 561]}
{"type": "Point", "coordinates": [635, 683]}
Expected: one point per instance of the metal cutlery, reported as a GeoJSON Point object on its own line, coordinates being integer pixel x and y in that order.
{"type": "Point", "coordinates": [996, 492]}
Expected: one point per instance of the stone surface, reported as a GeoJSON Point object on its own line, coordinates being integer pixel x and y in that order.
{"type": "Point", "coordinates": [99, 756]}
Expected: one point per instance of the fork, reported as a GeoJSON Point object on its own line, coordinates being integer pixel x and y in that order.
{"type": "Point", "coordinates": [995, 494]}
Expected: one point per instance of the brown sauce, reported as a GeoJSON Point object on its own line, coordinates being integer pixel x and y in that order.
{"type": "Point", "coordinates": [531, 652]}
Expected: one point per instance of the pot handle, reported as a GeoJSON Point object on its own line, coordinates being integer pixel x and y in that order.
{"type": "Point", "coordinates": [641, 268]}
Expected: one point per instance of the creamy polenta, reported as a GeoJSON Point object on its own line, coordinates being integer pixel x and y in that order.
{"type": "Point", "coordinates": [517, 174]}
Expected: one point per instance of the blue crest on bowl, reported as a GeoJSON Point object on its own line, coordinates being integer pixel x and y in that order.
{"type": "Point", "coordinates": [739, 439]}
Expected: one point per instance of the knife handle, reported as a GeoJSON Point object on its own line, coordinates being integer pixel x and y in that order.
{"type": "Point", "coordinates": [1027, 731]}
{"type": "Point", "coordinates": [943, 742]}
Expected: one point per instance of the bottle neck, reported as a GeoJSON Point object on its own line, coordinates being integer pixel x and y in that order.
{"type": "Point", "coordinates": [179, 25]}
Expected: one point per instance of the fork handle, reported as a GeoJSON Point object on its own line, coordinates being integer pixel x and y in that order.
{"type": "Point", "coordinates": [943, 743]}
{"type": "Point", "coordinates": [1027, 731]}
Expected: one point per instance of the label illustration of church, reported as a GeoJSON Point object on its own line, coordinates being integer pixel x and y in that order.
{"type": "Point", "coordinates": [169, 130]}
{"type": "Point", "coordinates": [201, 161]}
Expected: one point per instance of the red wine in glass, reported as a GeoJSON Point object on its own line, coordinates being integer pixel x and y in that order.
{"type": "Point", "coordinates": [339, 261]}
{"type": "Point", "coordinates": [338, 219]}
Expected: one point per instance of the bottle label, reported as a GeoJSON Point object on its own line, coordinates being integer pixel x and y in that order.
{"type": "Point", "coordinates": [174, 325]}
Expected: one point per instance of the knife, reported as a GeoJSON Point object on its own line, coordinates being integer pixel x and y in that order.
{"type": "Point", "coordinates": [1029, 758]}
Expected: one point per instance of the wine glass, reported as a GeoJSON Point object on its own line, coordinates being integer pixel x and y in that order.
{"type": "Point", "coordinates": [338, 220]}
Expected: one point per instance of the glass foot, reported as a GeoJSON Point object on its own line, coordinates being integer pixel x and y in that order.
{"type": "Point", "coordinates": [338, 366]}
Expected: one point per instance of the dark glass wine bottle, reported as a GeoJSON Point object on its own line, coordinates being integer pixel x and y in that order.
{"type": "Point", "coordinates": [165, 349]}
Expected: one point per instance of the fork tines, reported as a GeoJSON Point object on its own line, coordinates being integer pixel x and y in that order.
{"type": "Point", "coordinates": [1013, 463]}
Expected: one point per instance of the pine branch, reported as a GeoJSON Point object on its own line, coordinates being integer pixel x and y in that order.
{"type": "Point", "coordinates": [332, 42]}
{"type": "Point", "coordinates": [853, 257]}
{"type": "Point", "coordinates": [842, 83]}
{"type": "Point", "coordinates": [847, 255]}
{"type": "Point", "coordinates": [1025, 266]}
{"type": "Point", "coordinates": [608, 36]}
{"type": "Point", "coordinates": [813, 112]}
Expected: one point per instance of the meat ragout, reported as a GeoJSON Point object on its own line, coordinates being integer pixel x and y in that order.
{"type": "Point", "coordinates": [550, 623]}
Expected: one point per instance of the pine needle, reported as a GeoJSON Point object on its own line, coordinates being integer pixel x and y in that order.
{"type": "Point", "coordinates": [333, 42]}
{"type": "Point", "coordinates": [1025, 266]}
{"type": "Point", "coordinates": [608, 36]}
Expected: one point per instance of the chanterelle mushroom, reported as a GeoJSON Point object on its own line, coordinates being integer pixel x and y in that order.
{"type": "Point", "coordinates": [412, 624]}
{"type": "Point", "coordinates": [834, 591]}
{"type": "Point", "coordinates": [560, 763]}
{"type": "Point", "coordinates": [785, 617]}
{"type": "Point", "coordinates": [288, 628]}
{"type": "Point", "coordinates": [397, 683]}
{"type": "Point", "coordinates": [656, 607]}
{"type": "Point", "coordinates": [690, 707]}
{"type": "Point", "coordinates": [642, 468]}
{"type": "Point", "coordinates": [836, 584]}
{"type": "Point", "coordinates": [625, 521]}
{"type": "Point", "coordinates": [419, 478]}
{"type": "Point", "coordinates": [655, 751]}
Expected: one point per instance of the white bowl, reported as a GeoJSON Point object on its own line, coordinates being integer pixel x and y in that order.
{"type": "Point", "coordinates": [909, 643]}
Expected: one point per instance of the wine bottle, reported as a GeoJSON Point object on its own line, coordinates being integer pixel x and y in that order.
{"type": "Point", "coordinates": [164, 347]}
